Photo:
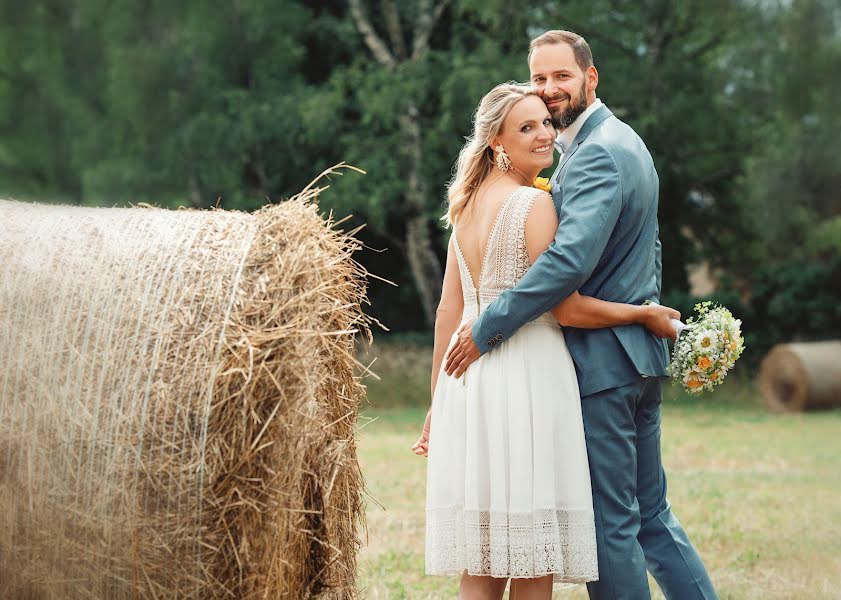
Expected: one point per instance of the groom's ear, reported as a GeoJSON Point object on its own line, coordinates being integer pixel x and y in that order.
{"type": "Point", "coordinates": [592, 77]}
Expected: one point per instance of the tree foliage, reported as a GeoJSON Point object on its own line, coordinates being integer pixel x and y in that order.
{"type": "Point", "coordinates": [197, 103]}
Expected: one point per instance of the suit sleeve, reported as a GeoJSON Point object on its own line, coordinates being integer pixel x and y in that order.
{"type": "Point", "coordinates": [588, 214]}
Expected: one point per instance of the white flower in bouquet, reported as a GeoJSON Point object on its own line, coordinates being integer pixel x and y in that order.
{"type": "Point", "coordinates": [705, 341]}
{"type": "Point", "coordinates": [706, 348]}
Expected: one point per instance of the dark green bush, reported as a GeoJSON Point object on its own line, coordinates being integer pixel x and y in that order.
{"type": "Point", "coordinates": [793, 301]}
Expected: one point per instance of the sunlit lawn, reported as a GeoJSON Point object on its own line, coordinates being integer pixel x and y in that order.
{"type": "Point", "coordinates": [757, 492]}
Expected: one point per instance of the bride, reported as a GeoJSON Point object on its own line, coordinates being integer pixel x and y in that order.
{"type": "Point", "coordinates": [508, 487]}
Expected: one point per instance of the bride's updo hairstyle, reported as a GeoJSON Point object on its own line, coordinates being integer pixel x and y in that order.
{"type": "Point", "coordinates": [476, 158]}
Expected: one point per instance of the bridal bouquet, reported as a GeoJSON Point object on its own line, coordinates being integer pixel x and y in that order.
{"type": "Point", "coordinates": [707, 347]}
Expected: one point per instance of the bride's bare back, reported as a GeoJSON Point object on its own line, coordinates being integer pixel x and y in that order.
{"type": "Point", "coordinates": [477, 223]}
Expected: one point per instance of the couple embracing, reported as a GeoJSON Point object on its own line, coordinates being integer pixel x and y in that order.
{"type": "Point", "coordinates": [544, 455]}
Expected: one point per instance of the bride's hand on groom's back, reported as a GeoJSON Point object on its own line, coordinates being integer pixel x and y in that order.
{"type": "Point", "coordinates": [658, 320]}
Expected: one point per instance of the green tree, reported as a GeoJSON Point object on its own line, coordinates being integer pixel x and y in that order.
{"type": "Point", "coordinates": [186, 103]}
{"type": "Point", "coordinates": [791, 183]}
{"type": "Point", "coordinates": [401, 59]}
{"type": "Point", "coordinates": [51, 104]}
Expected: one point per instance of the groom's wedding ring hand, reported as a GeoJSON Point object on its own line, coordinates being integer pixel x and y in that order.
{"type": "Point", "coordinates": [463, 353]}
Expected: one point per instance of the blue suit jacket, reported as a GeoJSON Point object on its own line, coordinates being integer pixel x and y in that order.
{"type": "Point", "coordinates": [606, 193]}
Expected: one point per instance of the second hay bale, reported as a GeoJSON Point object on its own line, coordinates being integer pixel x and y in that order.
{"type": "Point", "coordinates": [802, 376]}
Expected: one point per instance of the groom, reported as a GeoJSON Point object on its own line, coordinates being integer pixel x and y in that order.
{"type": "Point", "coordinates": [605, 190]}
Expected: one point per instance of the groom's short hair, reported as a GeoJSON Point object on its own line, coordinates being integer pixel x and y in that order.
{"type": "Point", "coordinates": [580, 47]}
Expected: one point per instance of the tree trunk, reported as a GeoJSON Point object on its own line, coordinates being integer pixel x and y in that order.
{"type": "Point", "coordinates": [426, 269]}
{"type": "Point", "coordinates": [195, 193]}
{"type": "Point", "coordinates": [423, 261]}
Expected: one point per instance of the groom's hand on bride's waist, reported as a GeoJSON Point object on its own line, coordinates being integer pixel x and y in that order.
{"type": "Point", "coordinates": [463, 352]}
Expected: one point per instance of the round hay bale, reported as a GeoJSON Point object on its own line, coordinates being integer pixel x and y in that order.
{"type": "Point", "coordinates": [802, 376]}
{"type": "Point", "coordinates": [178, 403]}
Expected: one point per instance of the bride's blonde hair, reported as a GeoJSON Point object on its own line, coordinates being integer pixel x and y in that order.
{"type": "Point", "coordinates": [476, 158]}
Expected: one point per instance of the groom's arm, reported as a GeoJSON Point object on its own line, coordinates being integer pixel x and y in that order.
{"type": "Point", "coordinates": [589, 211]}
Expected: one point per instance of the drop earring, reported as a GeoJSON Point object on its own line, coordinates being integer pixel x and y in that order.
{"type": "Point", "coordinates": [503, 161]}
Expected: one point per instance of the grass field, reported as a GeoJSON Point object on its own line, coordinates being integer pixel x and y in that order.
{"type": "Point", "coordinates": [757, 492]}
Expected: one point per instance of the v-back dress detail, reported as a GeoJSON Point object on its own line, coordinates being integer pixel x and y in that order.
{"type": "Point", "coordinates": [508, 485]}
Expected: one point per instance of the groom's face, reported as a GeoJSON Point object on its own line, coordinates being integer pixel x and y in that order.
{"type": "Point", "coordinates": [561, 83]}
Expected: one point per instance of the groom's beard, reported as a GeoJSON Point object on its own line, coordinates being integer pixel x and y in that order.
{"type": "Point", "coordinates": [563, 119]}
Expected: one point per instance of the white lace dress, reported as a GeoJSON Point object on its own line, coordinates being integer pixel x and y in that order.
{"type": "Point", "coordinates": [508, 485]}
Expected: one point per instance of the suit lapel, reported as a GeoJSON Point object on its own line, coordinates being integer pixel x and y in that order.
{"type": "Point", "coordinates": [589, 125]}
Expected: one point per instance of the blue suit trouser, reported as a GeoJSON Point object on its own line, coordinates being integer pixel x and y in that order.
{"type": "Point", "coordinates": [635, 527]}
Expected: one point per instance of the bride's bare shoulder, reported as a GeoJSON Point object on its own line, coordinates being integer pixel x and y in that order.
{"type": "Point", "coordinates": [542, 208]}
{"type": "Point", "coordinates": [541, 224]}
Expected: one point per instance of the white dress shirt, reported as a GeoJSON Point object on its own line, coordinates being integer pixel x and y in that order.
{"type": "Point", "coordinates": [567, 136]}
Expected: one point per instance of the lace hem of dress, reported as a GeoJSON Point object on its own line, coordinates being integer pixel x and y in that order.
{"type": "Point", "coordinates": [507, 544]}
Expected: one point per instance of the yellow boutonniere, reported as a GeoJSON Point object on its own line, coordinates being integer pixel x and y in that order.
{"type": "Point", "coordinates": [542, 183]}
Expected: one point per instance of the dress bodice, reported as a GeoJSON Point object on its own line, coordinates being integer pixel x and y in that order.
{"type": "Point", "coordinates": [506, 258]}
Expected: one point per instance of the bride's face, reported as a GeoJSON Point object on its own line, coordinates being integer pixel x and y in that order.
{"type": "Point", "coordinates": [527, 135]}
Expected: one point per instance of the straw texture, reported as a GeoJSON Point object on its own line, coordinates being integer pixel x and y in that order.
{"type": "Point", "coordinates": [178, 403]}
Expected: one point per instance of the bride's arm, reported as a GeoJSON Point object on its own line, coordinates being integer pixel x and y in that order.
{"type": "Point", "coordinates": [584, 311]}
{"type": "Point", "coordinates": [587, 312]}
{"type": "Point", "coordinates": [447, 318]}
{"type": "Point", "coordinates": [449, 312]}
